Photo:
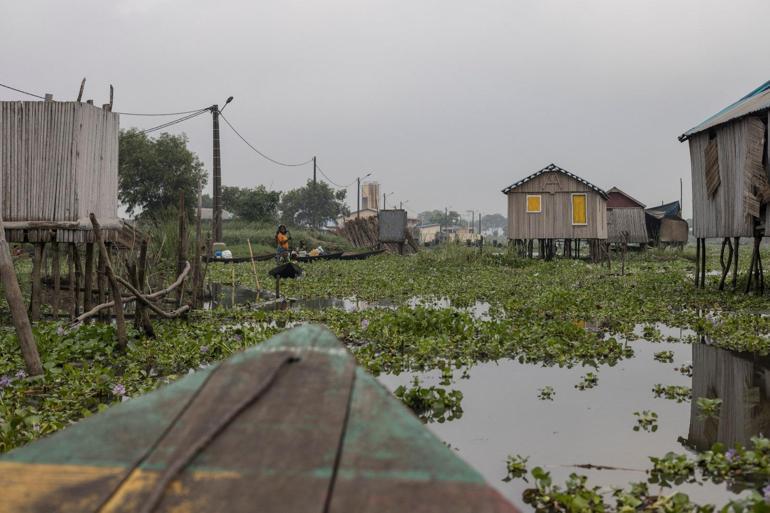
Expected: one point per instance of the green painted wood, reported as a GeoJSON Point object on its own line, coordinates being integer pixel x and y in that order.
{"type": "Point", "coordinates": [325, 436]}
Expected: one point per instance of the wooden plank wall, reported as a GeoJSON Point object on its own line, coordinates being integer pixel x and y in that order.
{"type": "Point", "coordinates": [58, 161]}
{"type": "Point", "coordinates": [627, 219]}
{"type": "Point", "coordinates": [723, 214]}
{"type": "Point", "coordinates": [555, 220]}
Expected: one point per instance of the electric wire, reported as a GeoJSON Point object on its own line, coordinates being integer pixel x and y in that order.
{"type": "Point", "coordinates": [23, 92]}
{"type": "Point", "coordinates": [159, 114]}
{"type": "Point", "coordinates": [174, 122]}
{"type": "Point", "coordinates": [331, 181]}
{"type": "Point", "coordinates": [274, 161]}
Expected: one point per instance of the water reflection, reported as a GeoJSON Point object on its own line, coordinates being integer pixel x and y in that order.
{"type": "Point", "coordinates": [742, 382]}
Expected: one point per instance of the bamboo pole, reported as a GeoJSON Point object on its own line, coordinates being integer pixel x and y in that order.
{"type": "Point", "coordinates": [253, 266]}
{"type": "Point", "coordinates": [182, 248]}
{"type": "Point", "coordinates": [120, 321]}
{"type": "Point", "coordinates": [37, 264]}
{"type": "Point", "coordinates": [88, 282]}
{"type": "Point", "coordinates": [18, 312]}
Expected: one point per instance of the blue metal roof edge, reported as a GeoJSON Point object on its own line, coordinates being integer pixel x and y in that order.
{"type": "Point", "coordinates": [694, 130]}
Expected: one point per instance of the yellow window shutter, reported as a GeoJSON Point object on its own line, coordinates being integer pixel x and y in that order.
{"type": "Point", "coordinates": [579, 214]}
{"type": "Point", "coordinates": [533, 203]}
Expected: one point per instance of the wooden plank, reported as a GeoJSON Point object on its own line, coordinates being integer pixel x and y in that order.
{"type": "Point", "coordinates": [712, 168]}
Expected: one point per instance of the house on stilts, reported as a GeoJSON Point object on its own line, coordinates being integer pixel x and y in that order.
{"type": "Point", "coordinates": [58, 164]}
{"type": "Point", "coordinates": [730, 188]}
{"type": "Point", "coordinates": [666, 226]}
{"type": "Point", "coordinates": [625, 219]}
{"type": "Point", "coordinates": [555, 205]}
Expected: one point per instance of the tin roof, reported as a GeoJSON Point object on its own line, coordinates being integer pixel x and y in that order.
{"type": "Point", "coordinates": [666, 210]}
{"type": "Point", "coordinates": [553, 167]}
{"type": "Point", "coordinates": [756, 101]}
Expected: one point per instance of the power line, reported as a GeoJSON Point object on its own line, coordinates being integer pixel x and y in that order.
{"type": "Point", "coordinates": [259, 152]}
{"type": "Point", "coordinates": [161, 114]}
{"type": "Point", "coordinates": [23, 92]}
{"type": "Point", "coordinates": [174, 122]}
{"type": "Point", "coordinates": [331, 181]}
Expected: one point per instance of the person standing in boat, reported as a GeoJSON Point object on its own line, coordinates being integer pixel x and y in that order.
{"type": "Point", "coordinates": [282, 239]}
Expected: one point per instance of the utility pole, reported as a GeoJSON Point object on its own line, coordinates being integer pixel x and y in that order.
{"type": "Point", "coordinates": [314, 200]}
{"type": "Point", "coordinates": [217, 217]}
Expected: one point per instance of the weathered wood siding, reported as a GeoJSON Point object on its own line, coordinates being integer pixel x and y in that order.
{"type": "Point", "coordinates": [58, 161]}
{"type": "Point", "coordinates": [674, 230]}
{"type": "Point", "coordinates": [555, 219]}
{"type": "Point", "coordinates": [723, 215]}
{"type": "Point", "coordinates": [627, 219]}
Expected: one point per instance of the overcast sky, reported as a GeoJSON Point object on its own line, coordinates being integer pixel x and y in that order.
{"type": "Point", "coordinates": [446, 101]}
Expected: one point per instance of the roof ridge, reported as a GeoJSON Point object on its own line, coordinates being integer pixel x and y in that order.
{"type": "Point", "coordinates": [553, 167]}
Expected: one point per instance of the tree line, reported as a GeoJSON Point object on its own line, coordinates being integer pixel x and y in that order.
{"type": "Point", "coordinates": [153, 171]}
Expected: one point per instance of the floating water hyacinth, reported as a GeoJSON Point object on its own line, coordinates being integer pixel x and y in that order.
{"type": "Point", "coordinates": [21, 374]}
{"type": "Point", "coordinates": [766, 493]}
{"type": "Point", "coordinates": [204, 349]}
{"type": "Point", "coordinates": [4, 381]}
{"type": "Point", "coordinates": [730, 455]}
{"type": "Point", "coordinates": [364, 323]}
{"type": "Point", "coordinates": [119, 389]}
{"type": "Point", "coordinates": [60, 331]}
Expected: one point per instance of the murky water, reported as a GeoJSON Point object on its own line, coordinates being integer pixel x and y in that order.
{"type": "Point", "coordinates": [503, 415]}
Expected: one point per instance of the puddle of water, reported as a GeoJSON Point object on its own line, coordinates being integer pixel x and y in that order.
{"type": "Point", "coordinates": [503, 415]}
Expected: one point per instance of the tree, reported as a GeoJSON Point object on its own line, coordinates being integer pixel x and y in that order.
{"type": "Point", "coordinates": [494, 221]}
{"type": "Point", "coordinates": [151, 172]}
{"type": "Point", "coordinates": [451, 218]}
{"type": "Point", "coordinates": [312, 205]}
{"type": "Point", "coordinates": [257, 204]}
{"type": "Point", "coordinates": [207, 201]}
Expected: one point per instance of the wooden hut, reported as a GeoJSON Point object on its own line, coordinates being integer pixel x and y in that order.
{"type": "Point", "coordinates": [625, 218]}
{"type": "Point", "coordinates": [666, 226]}
{"type": "Point", "coordinates": [58, 164]}
{"type": "Point", "coordinates": [554, 204]}
{"type": "Point", "coordinates": [728, 156]}
{"type": "Point", "coordinates": [290, 425]}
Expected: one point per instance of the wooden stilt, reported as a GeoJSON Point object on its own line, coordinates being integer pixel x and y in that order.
{"type": "Point", "coordinates": [726, 244]}
{"type": "Point", "coordinates": [101, 286]}
{"type": "Point", "coordinates": [703, 263]}
{"type": "Point", "coordinates": [182, 249]}
{"type": "Point", "coordinates": [78, 279]}
{"type": "Point", "coordinates": [37, 285]}
{"type": "Point", "coordinates": [752, 263]}
{"type": "Point", "coordinates": [56, 273]}
{"type": "Point", "coordinates": [197, 275]}
{"type": "Point", "coordinates": [697, 262]}
{"type": "Point", "coordinates": [71, 279]}
{"type": "Point", "coordinates": [116, 297]}
{"type": "Point", "coordinates": [736, 244]}
{"type": "Point", "coordinates": [15, 301]}
{"type": "Point", "coordinates": [88, 282]}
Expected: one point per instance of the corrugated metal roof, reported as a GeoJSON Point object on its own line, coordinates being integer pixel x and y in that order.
{"type": "Point", "coordinates": [667, 210]}
{"type": "Point", "coordinates": [756, 101]}
{"type": "Point", "coordinates": [553, 167]}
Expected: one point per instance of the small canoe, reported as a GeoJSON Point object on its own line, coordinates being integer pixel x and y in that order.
{"type": "Point", "coordinates": [361, 256]}
{"type": "Point", "coordinates": [239, 260]}
{"type": "Point", "coordinates": [325, 256]}
{"type": "Point", "coordinates": [291, 425]}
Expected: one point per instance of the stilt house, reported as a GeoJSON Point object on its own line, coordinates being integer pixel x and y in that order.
{"type": "Point", "coordinates": [58, 163]}
{"type": "Point", "coordinates": [665, 224]}
{"type": "Point", "coordinates": [556, 204]}
{"type": "Point", "coordinates": [728, 156]}
{"type": "Point", "coordinates": [625, 215]}
{"type": "Point", "coordinates": [730, 186]}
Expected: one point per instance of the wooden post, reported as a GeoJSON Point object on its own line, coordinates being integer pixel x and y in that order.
{"type": "Point", "coordinates": [736, 243]}
{"type": "Point", "coordinates": [254, 266]}
{"type": "Point", "coordinates": [71, 278]}
{"type": "Point", "coordinates": [725, 265]}
{"type": "Point", "coordinates": [697, 262]}
{"type": "Point", "coordinates": [16, 304]}
{"type": "Point", "coordinates": [703, 263]}
{"type": "Point", "coordinates": [142, 316]}
{"type": "Point", "coordinates": [119, 319]}
{"type": "Point", "coordinates": [88, 282]}
{"type": "Point", "coordinates": [182, 249]}
{"type": "Point", "coordinates": [56, 272]}
{"type": "Point", "coordinates": [101, 285]}
{"type": "Point", "coordinates": [36, 297]}
{"type": "Point", "coordinates": [78, 279]}
{"type": "Point", "coordinates": [196, 282]}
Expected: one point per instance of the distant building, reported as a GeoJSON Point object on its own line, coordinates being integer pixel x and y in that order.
{"type": "Point", "coordinates": [370, 196]}
{"type": "Point", "coordinates": [207, 214]}
{"type": "Point", "coordinates": [363, 214]}
{"type": "Point", "coordinates": [665, 224]}
{"type": "Point", "coordinates": [429, 233]}
{"type": "Point", "coordinates": [625, 214]}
